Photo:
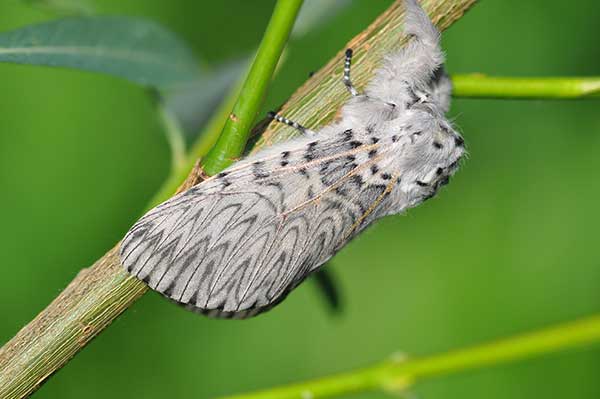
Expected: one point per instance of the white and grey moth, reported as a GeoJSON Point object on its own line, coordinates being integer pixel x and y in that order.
{"type": "Point", "coordinates": [236, 244]}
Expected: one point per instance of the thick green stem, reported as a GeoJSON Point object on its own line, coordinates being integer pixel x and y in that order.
{"type": "Point", "coordinates": [395, 375]}
{"type": "Point", "coordinates": [232, 140]}
{"type": "Point", "coordinates": [482, 86]}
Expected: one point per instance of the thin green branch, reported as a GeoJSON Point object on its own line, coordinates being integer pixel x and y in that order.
{"type": "Point", "coordinates": [232, 141]}
{"type": "Point", "coordinates": [482, 86]}
{"type": "Point", "coordinates": [174, 135]}
{"type": "Point", "coordinates": [225, 136]}
{"type": "Point", "coordinates": [397, 375]}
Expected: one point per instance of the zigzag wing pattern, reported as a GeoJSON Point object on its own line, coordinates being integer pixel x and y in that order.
{"type": "Point", "coordinates": [236, 244]}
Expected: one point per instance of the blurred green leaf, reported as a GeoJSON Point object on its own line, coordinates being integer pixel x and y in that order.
{"type": "Point", "coordinates": [315, 13]}
{"type": "Point", "coordinates": [68, 7]}
{"type": "Point", "coordinates": [194, 102]}
{"type": "Point", "coordinates": [132, 48]}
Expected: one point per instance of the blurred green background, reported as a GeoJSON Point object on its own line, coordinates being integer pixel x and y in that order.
{"type": "Point", "coordinates": [511, 245]}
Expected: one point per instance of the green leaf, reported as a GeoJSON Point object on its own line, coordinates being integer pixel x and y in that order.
{"type": "Point", "coordinates": [194, 103]}
{"type": "Point", "coordinates": [132, 48]}
{"type": "Point", "coordinates": [65, 7]}
{"type": "Point", "coordinates": [315, 13]}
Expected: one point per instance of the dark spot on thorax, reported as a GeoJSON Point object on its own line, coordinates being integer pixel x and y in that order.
{"type": "Point", "coordinates": [355, 144]}
{"type": "Point", "coordinates": [348, 135]}
{"type": "Point", "coordinates": [257, 170]}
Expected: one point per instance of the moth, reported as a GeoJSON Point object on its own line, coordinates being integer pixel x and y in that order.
{"type": "Point", "coordinates": [236, 244]}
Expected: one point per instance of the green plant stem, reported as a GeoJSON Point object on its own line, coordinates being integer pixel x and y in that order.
{"type": "Point", "coordinates": [232, 141]}
{"type": "Point", "coordinates": [397, 375]}
{"type": "Point", "coordinates": [482, 86]}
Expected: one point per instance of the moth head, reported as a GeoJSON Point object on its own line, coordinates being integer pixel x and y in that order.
{"type": "Point", "coordinates": [433, 153]}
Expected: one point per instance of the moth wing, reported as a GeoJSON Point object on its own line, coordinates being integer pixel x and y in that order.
{"type": "Point", "coordinates": [236, 244]}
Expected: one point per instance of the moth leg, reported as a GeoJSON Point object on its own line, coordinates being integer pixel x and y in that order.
{"type": "Point", "coordinates": [346, 78]}
{"type": "Point", "coordinates": [288, 122]}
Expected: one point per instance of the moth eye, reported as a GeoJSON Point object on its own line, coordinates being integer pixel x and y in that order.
{"type": "Point", "coordinates": [459, 141]}
{"type": "Point", "coordinates": [439, 171]}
